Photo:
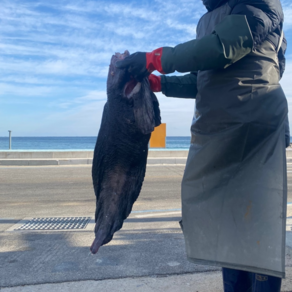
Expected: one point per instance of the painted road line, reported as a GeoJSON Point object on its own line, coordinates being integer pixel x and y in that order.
{"type": "Point", "coordinates": [76, 165]}
{"type": "Point", "coordinates": [165, 164]}
{"type": "Point", "coordinates": [152, 211]}
{"type": "Point", "coordinates": [165, 211]}
{"type": "Point", "coordinates": [158, 214]}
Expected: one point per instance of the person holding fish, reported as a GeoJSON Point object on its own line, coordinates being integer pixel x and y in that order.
{"type": "Point", "coordinates": [234, 189]}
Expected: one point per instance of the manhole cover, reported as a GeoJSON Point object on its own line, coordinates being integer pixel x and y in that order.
{"type": "Point", "coordinates": [55, 223]}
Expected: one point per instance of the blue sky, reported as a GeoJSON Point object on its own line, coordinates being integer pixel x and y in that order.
{"type": "Point", "coordinates": [54, 58]}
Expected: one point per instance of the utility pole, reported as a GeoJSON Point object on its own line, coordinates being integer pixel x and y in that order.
{"type": "Point", "coordinates": [9, 139]}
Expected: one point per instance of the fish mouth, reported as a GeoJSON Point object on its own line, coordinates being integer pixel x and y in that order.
{"type": "Point", "coordinates": [132, 87]}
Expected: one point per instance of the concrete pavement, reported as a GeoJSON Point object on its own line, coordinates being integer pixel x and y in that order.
{"type": "Point", "coordinates": [199, 282]}
{"type": "Point", "coordinates": [203, 282]}
{"type": "Point", "coordinates": [146, 255]}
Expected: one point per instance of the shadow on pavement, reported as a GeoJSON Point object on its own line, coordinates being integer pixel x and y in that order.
{"type": "Point", "coordinates": [46, 257]}
{"type": "Point", "coordinates": [9, 221]}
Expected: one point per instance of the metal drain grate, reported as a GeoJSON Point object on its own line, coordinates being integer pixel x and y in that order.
{"type": "Point", "coordinates": [55, 223]}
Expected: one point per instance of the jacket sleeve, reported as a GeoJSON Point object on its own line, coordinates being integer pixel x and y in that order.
{"type": "Point", "coordinates": [230, 41]}
{"type": "Point", "coordinates": [180, 86]}
{"type": "Point", "coordinates": [248, 26]}
{"type": "Point", "coordinates": [263, 16]}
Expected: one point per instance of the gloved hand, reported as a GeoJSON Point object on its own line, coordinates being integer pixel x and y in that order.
{"type": "Point", "coordinates": [155, 82]}
{"type": "Point", "coordinates": [141, 64]}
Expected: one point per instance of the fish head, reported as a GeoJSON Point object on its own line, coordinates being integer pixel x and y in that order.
{"type": "Point", "coordinates": [143, 110]}
{"type": "Point", "coordinates": [119, 81]}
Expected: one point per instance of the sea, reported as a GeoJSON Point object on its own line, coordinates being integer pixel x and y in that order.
{"type": "Point", "coordinates": [73, 143]}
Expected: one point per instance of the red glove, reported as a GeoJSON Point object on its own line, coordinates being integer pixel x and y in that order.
{"type": "Point", "coordinates": [153, 61]}
{"type": "Point", "coordinates": [141, 64]}
{"type": "Point", "coordinates": [155, 82]}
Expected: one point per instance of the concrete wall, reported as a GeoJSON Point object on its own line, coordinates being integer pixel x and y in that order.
{"type": "Point", "coordinates": [34, 158]}
{"type": "Point", "coordinates": [78, 154]}
{"type": "Point", "coordinates": [44, 154]}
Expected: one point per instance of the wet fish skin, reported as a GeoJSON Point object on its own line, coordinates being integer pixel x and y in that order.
{"type": "Point", "coordinates": [120, 155]}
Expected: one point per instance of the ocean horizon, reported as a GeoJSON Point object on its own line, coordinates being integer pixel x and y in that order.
{"type": "Point", "coordinates": [74, 143]}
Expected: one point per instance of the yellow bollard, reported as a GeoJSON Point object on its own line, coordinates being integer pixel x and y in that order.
{"type": "Point", "coordinates": [158, 137]}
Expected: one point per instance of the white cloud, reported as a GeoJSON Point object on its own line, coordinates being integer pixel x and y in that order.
{"type": "Point", "coordinates": [7, 89]}
{"type": "Point", "coordinates": [81, 120]}
{"type": "Point", "coordinates": [60, 51]}
{"type": "Point", "coordinates": [85, 101]}
{"type": "Point", "coordinates": [287, 8]}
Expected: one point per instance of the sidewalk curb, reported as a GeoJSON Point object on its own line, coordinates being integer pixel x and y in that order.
{"type": "Point", "coordinates": [82, 161]}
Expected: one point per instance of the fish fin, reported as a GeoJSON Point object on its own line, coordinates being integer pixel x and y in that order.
{"type": "Point", "coordinates": [143, 108]}
{"type": "Point", "coordinates": [156, 109]}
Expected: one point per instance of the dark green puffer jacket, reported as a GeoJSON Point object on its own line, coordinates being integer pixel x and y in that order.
{"type": "Point", "coordinates": [248, 25]}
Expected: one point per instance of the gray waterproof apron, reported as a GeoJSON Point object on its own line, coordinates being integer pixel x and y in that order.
{"type": "Point", "coordinates": [234, 188]}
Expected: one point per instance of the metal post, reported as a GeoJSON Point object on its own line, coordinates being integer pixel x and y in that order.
{"type": "Point", "coordinates": [9, 139]}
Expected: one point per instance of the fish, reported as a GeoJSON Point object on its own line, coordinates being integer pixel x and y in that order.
{"type": "Point", "coordinates": [130, 114]}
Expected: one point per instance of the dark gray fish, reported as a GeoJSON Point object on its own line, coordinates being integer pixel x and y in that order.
{"type": "Point", "coordinates": [119, 163]}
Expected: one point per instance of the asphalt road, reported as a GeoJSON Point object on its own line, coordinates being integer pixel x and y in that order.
{"type": "Point", "coordinates": [150, 242]}
{"type": "Point", "coordinates": [67, 191]}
